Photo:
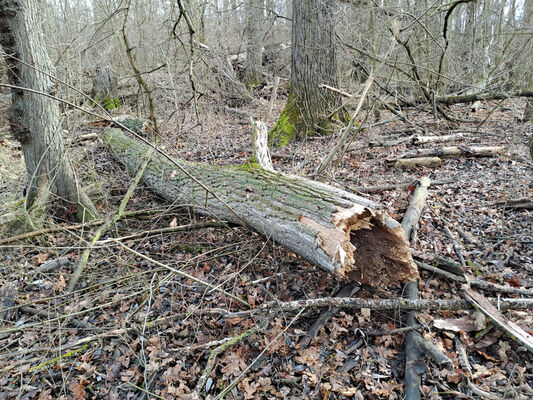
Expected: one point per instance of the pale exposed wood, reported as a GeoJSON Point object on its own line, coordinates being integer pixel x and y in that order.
{"type": "Point", "coordinates": [335, 90]}
{"type": "Point", "coordinates": [338, 231]}
{"type": "Point", "coordinates": [418, 162]}
{"type": "Point", "coordinates": [260, 152]}
{"type": "Point", "coordinates": [414, 211]}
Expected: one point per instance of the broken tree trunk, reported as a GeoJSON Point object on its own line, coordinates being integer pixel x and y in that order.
{"type": "Point", "coordinates": [338, 231]}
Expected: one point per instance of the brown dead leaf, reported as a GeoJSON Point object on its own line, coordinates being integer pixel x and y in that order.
{"type": "Point", "coordinates": [60, 284]}
{"type": "Point", "coordinates": [309, 356]}
{"type": "Point", "coordinates": [78, 390]}
{"type": "Point", "coordinates": [249, 388]}
{"type": "Point", "coordinates": [40, 258]}
{"type": "Point", "coordinates": [234, 364]}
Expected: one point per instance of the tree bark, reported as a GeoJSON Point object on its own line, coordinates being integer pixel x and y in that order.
{"type": "Point", "coordinates": [254, 50]}
{"type": "Point", "coordinates": [338, 231]}
{"type": "Point", "coordinates": [34, 118]}
{"type": "Point", "coordinates": [313, 63]}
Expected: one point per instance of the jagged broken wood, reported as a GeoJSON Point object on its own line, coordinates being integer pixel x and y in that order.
{"type": "Point", "coordinates": [342, 233]}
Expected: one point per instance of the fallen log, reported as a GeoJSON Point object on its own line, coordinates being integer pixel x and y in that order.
{"type": "Point", "coordinates": [393, 186]}
{"type": "Point", "coordinates": [467, 98]}
{"type": "Point", "coordinates": [344, 234]}
{"type": "Point", "coordinates": [418, 139]}
{"type": "Point", "coordinates": [454, 151]}
{"type": "Point", "coordinates": [417, 162]}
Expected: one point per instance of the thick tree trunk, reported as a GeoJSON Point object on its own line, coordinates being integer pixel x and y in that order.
{"type": "Point", "coordinates": [34, 118]}
{"type": "Point", "coordinates": [338, 231]}
{"type": "Point", "coordinates": [313, 63]}
{"type": "Point", "coordinates": [254, 49]}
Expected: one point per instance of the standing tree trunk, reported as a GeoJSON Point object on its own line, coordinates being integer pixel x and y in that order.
{"type": "Point", "coordinates": [313, 63]}
{"type": "Point", "coordinates": [528, 110]}
{"type": "Point", "coordinates": [34, 117]}
{"type": "Point", "coordinates": [254, 51]}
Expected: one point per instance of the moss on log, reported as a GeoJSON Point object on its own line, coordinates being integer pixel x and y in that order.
{"type": "Point", "coordinates": [340, 232]}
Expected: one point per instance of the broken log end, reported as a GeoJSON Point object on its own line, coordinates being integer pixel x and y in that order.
{"type": "Point", "coordinates": [367, 245]}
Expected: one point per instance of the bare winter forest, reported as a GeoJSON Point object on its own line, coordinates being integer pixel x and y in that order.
{"type": "Point", "coordinates": [323, 199]}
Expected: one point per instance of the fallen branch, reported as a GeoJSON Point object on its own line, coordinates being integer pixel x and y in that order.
{"type": "Point", "coordinates": [418, 139]}
{"type": "Point", "coordinates": [515, 331]}
{"type": "Point", "coordinates": [381, 188]}
{"type": "Point", "coordinates": [456, 246]}
{"type": "Point", "coordinates": [377, 305]}
{"type": "Point", "coordinates": [84, 257]}
{"type": "Point", "coordinates": [478, 283]}
{"type": "Point", "coordinates": [413, 355]}
{"type": "Point", "coordinates": [347, 290]}
{"type": "Point", "coordinates": [453, 151]}
{"type": "Point", "coordinates": [170, 229]}
{"type": "Point", "coordinates": [417, 162]}
{"type": "Point", "coordinates": [521, 203]}
{"type": "Point", "coordinates": [67, 228]}
{"type": "Point", "coordinates": [211, 361]}
{"type": "Point", "coordinates": [414, 211]}
{"type": "Point", "coordinates": [467, 98]}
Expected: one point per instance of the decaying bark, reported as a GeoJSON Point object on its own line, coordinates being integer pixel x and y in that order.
{"type": "Point", "coordinates": [338, 231]}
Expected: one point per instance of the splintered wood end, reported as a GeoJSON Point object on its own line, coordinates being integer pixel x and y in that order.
{"type": "Point", "coordinates": [369, 246]}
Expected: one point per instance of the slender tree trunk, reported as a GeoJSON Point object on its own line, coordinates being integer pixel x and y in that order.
{"type": "Point", "coordinates": [528, 110]}
{"type": "Point", "coordinates": [34, 118]}
{"type": "Point", "coordinates": [254, 51]}
{"type": "Point", "coordinates": [313, 63]}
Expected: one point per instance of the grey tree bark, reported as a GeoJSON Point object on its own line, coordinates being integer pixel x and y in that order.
{"type": "Point", "coordinates": [254, 48]}
{"type": "Point", "coordinates": [34, 118]}
{"type": "Point", "coordinates": [313, 63]}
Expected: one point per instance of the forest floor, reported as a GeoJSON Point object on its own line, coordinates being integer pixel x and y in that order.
{"type": "Point", "coordinates": [135, 329]}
